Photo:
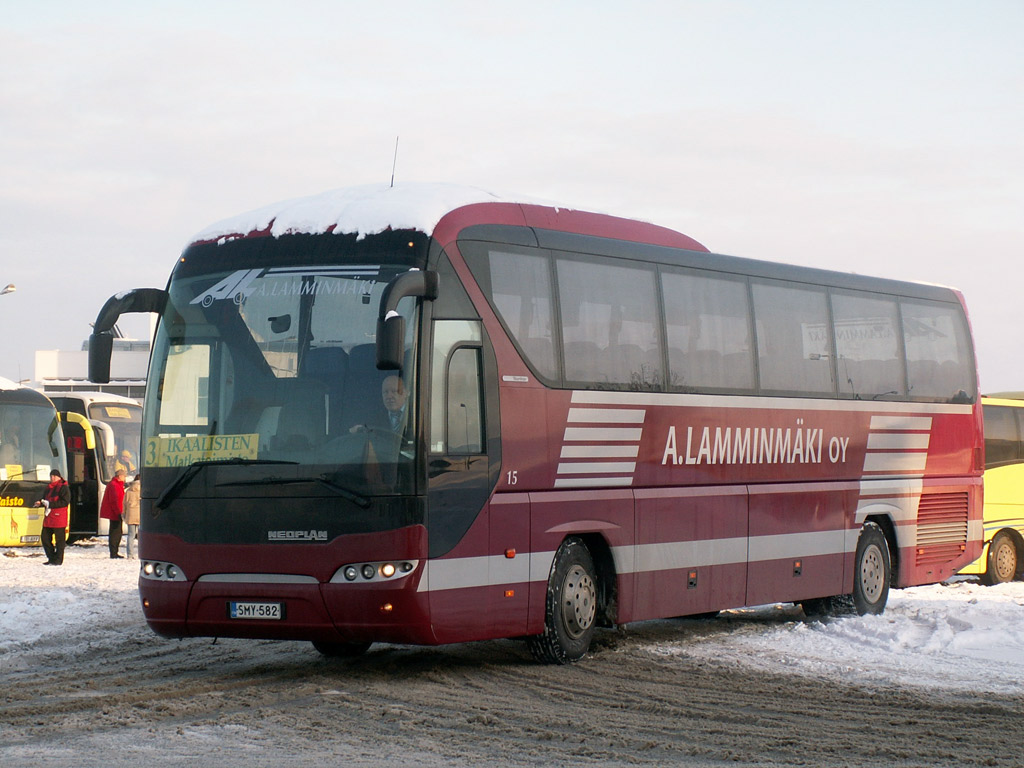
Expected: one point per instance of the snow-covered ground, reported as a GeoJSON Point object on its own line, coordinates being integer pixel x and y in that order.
{"type": "Point", "coordinates": [956, 636]}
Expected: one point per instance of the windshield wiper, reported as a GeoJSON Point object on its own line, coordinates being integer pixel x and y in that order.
{"type": "Point", "coordinates": [356, 498]}
{"type": "Point", "coordinates": [172, 491]}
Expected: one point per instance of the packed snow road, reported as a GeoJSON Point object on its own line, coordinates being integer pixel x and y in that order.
{"type": "Point", "coordinates": [936, 681]}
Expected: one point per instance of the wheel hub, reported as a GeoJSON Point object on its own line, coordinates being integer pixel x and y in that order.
{"type": "Point", "coordinates": [872, 573]}
{"type": "Point", "coordinates": [579, 601]}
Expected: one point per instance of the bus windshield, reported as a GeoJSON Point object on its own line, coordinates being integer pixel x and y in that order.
{"type": "Point", "coordinates": [278, 363]}
{"type": "Point", "coordinates": [125, 421]}
{"type": "Point", "coordinates": [31, 442]}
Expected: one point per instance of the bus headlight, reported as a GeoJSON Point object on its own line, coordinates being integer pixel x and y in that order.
{"type": "Point", "coordinates": [158, 571]}
{"type": "Point", "coordinates": [393, 570]}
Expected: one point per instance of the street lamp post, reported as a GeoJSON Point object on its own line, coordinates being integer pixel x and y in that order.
{"type": "Point", "coordinates": [9, 288]}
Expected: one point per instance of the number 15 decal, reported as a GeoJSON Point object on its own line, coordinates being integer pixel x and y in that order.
{"type": "Point", "coordinates": [513, 476]}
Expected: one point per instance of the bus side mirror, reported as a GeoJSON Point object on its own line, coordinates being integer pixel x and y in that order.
{"type": "Point", "coordinates": [101, 342]}
{"type": "Point", "coordinates": [390, 324]}
{"type": "Point", "coordinates": [390, 343]}
{"type": "Point", "coordinates": [100, 347]}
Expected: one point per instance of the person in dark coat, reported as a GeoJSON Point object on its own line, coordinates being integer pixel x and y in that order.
{"type": "Point", "coordinates": [393, 418]}
{"type": "Point", "coordinates": [56, 500]}
{"type": "Point", "coordinates": [112, 509]}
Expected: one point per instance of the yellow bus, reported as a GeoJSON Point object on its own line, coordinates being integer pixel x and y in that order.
{"type": "Point", "coordinates": [1002, 558]}
{"type": "Point", "coordinates": [31, 444]}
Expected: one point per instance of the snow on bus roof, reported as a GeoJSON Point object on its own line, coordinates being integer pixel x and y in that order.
{"type": "Point", "coordinates": [361, 210]}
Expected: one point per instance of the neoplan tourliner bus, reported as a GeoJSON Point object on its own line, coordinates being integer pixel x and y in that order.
{"type": "Point", "coordinates": [599, 422]}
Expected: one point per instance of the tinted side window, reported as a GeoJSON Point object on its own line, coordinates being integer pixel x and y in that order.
{"type": "Point", "coordinates": [793, 339]}
{"type": "Point", "coordinates": [869, 364]}
{"type": "Point", "coordinates": [609, 324]}
{"type": "Point", "coordinates": [465, 404]}
{"type": "Point", "coordinates": [519, 287]}
{"type": "Point", "coordinates": [939, 360]}
{"type": "Point", "coordinates": [708, 332]}
{"type": "Point", "coordinates": [1002, 439]}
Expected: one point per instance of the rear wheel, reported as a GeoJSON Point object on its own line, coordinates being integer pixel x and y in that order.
{"type": "Point", "coordinates": [341, 650]}
{"type": "Point", "coordinates": [871, 571]}
{"type": "Point", "coordinates": [1001, 563]}
{"type": "Point", "coordinates": [824, 607]}
{"type": "Point", "coordinates": [571, 609]}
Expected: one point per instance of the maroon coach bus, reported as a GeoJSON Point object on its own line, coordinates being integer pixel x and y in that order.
{"type": "Point", "coordinates": [593, 421]}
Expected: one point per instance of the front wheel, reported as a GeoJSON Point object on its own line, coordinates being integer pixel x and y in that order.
{"type": "Point", "coordinates": [1001, 564]}
{"type": "Point", "coordinates": [871, 571]}
{"type": "Point", "coordinates": [571, 606]}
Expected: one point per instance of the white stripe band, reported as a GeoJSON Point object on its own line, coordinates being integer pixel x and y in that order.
{"type": "Point", "coordinates": [607, 415]}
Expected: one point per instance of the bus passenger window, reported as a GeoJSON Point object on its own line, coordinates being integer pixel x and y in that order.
{"type": "Point", "coordinates": [609, 324]}
{"type": "Point", "coordinates": [793, 339]}
{"type": "Point", "coordinates": [1002, 439]}
{"type": "Point", "coordinates": [868, 360]}
{"type": "Point", "coordinates": [939, 354]}
{"type": "Point", "coordinates": [521, 291]}
{"type": "Point", "coordinates": [708, 331]}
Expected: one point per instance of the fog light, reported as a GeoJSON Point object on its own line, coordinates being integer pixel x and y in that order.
{"type": "Point", "coordinates": [386, 608]}
{"type": "Point", "coordinates": [387, 570]}
{"type": "Point", "coordinates": [147, 569]}
{"type": "Point", "coordinates": [351, 572]}
{"type": "Point", "coordinates": [368, 571]}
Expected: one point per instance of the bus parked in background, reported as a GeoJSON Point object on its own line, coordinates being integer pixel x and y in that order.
{"type": "Point", "coordinates": [424, 414]}
{"type": "Point", "coordinates": [31, 444]}
{"type": "Point", "coordinates": [102, 432]}
{"type": "Point", "coordinates": [1002, 558]}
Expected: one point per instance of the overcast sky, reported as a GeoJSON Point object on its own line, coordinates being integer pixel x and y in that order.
{"type": "Point", "coordinates": [876, 137]}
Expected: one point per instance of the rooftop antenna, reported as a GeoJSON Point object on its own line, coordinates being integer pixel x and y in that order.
{"type": "Point", "coordinates": [394, 163]}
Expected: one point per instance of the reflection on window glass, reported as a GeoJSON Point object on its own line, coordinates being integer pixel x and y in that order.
{"type": "Point", "coordinates": [708, 331]}
{"type": "Point", "coordinates": [609, 324]}
{"type": "Point", "coordinates": [793, 333]}
{"type": "Point", "coordinates": [521, 291]}
{"type": "Point", "coordinates": [30, 442]}
{"type": "Point", "coordinates": [868, 360]}
{"type": "Point", "coordinates": [187, 376]}
{"type": "Point", "coordinates": [939, 363]}
{"type": "Point", "coordinates": [465, 413]}
{"type": "Point", "coordinates": [448, 335]}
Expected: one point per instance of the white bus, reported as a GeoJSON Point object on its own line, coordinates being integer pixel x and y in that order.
{"type": "Point", "coordinates": [102, 433]}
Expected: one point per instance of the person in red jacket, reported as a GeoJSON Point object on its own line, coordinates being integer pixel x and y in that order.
{"type": "Point", "coordinates": [112, 508]}
{"type": "Point", "coordinates": [56, 499]}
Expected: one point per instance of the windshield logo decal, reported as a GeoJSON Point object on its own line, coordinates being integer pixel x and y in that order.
{"type": "Point", "coordinates": [238, 285]}
{"type": "Point", "coordinates": [231, 287]}
{"type": "Point", "coordinates": [297, 535]}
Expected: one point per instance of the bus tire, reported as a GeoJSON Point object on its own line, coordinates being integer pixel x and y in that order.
{"type": "Point", "coordinates": [826, 607]}
{"type": "Point", "coordinates": [570, 608]}
{"type": "Point", "coordinates": [871, 571]}
{"type": "Point", "coordinates": [1001, 564]}
{"type": "Point", "coordinates": [341, 650]}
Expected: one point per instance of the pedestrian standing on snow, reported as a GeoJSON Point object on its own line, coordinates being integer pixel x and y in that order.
{"type": "Point", "coordinates": [132, 495]}
{"type": "Point", "coordinates": [112, 509]}
{"type": "Point", "coordinates": [55, 499]}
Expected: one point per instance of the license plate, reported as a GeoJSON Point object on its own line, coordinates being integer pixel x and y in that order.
{"type": "Point", "coordinates": [265, 611]}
